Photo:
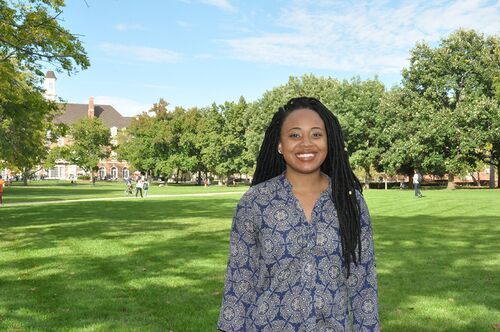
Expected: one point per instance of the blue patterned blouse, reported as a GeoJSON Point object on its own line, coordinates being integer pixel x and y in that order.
{"type": "Point", "coordinates": [285, 274]}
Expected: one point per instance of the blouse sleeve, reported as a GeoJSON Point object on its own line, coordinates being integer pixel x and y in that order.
{"type": "Point", "coordinates": [362, 282]}
{"type": "Point", "coordinates": [242, 270]}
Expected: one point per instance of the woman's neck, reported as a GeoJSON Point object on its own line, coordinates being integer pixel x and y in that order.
{"type": "Point", "coordinates": [307, 182]}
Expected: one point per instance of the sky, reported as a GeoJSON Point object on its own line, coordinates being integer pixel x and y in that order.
{"type": "Point", "coordinates": [197, 52]}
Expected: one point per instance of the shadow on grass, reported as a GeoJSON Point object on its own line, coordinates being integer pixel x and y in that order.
{"type": "Point", "coordinates": [438, 273]}
{"type": "Point", "coordinates": [139, 265]}
{"type": "Point", "coordinates": [37, 194]}
{"type": "Point", "coordinates": [158, 265]}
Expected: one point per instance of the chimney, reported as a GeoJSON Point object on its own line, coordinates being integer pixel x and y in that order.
{"type": "Point", "coordinates": [91, 108]}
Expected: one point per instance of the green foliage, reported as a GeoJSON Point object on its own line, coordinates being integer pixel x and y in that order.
{"type": "Point", "coordinates": [31, 36]}
{"type": "Point", "coordinates": [90, 142]}
{"type": "Point", "coordinates": [30, 33]}
{"type": "Point", "coordinates": [447, 105]}
{"type": "Point", "coordinates": [25, 117]}
{"type": "Point", "coordinates": [194, 140]}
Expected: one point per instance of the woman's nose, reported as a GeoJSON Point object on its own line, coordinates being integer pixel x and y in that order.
{"type": "Point", "coordinates": [306, 141]}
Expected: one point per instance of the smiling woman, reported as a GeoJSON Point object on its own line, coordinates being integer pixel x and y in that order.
{"type": "Point", "coordinates": [301, 247]}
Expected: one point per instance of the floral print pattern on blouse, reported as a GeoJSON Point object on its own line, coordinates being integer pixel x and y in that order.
{"type": "Point", "coordinates": [285, 274]}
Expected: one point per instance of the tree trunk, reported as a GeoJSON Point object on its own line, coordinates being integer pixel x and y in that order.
{"type": "Point", "coordinates": [498, 173]}
{"type": "Point", "coordinates": [451, 182]}
{"type": "Point", "coordinates": [492, 174]}
{"type": "Point", "coordinates": [25, 177]}
{"type": "Point", "coordinates": [367, 179]}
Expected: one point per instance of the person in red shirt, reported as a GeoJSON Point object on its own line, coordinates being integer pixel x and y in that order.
{"type": "Point", "coordinates": [2, 183]}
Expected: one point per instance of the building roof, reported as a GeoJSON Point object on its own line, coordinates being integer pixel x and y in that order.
{"type": "Point", "coordinates": [50, 74]}
{"type": "Point", "coordinates": [107, 113]}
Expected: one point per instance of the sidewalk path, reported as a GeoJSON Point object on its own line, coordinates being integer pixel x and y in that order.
{"type": "Point", "coordinates": [119, 198]}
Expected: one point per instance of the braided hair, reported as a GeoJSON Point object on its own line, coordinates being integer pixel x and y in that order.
{"type": "Point", "coordinates": [336, 165]}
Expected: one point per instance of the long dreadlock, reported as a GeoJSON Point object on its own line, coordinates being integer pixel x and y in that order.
{"type": "Point", "coordinates": [336, 165]}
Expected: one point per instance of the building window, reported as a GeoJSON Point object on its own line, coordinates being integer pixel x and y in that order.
{"type": "Point", "coordinates": [114, 131]}
{"type": "Point", "coordinates": [126, 173]}
{"type": "Point", "coordinates": [57, 172]}
{"type": "Point", "coordinates": [102, 173]}
{"type": "Point", "coordinates": [114, 172]}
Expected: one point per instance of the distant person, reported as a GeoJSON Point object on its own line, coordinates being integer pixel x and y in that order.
{"type": "Point", "coordinates": [129, 187]}
{"type": "Point", "coordinates": [301, 247]}
{"type": "Point", "coordinates": [2, 183]}
{"type": "Point", "coordinates": [145, 187]}
{"type": "Point", "coordinates": [139, 183]}
{"type": "Point", "coordinates": [417, 181]}
{"type": "Point", "coordinates": [402, 184]}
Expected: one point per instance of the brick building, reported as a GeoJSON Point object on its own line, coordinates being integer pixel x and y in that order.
{"type": "Point", "coordinates": [109, 169]}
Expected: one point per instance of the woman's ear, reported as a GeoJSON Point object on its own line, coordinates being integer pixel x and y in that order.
{"type": "Point", "coordinates": [279, 148]}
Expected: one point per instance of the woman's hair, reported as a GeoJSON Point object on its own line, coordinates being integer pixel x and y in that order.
{"type": "Point", "coordinates": [336, 165]}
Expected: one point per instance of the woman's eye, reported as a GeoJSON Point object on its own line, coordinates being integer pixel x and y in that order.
{"type": "Point", "coordinates": [294, 135]}
{"type": "Point", "coordinates": [317, 134]}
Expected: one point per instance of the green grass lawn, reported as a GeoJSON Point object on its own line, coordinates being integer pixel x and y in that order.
{"type": "Point", "coordinates": [158, 264]}
{"type": "Point", "coordinates": [55, 190]}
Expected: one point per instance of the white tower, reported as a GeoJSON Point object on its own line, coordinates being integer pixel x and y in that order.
{"type": "Point", "coordinates": [49, 84]}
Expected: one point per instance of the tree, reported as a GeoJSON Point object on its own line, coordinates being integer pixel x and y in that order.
{"type": "Point", "coordinates": [30, 37]}
{"type": "Point", "coordinates": [137, 143]}
{"type": "Point", "coordinates": [90, 142]}
{"type": "Point", "coordinates": [356, 103]}
{"type": "Point", "coordinates": [30, 33]}
{"type": "Point", "coordinates": [210, 138]}
{"type": "Point", "coordinates": [23, 140]}
{"type": "Point", "coordinates": [233, 139]}
{"type": "Point", "coordinates": [450, 79]}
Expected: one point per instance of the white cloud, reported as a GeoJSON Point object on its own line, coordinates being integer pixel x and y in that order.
{"type": "Point", "coordinates": [126, 107]}
{"type": "Point", "coordinates": [365, 37]}
{"type": "Point", "coordinates": [157, 86]}
{"type": "Point", "coordinates": [221, 4]}
{"type": "Point", "coordinates": [148, 54]}
{"type": "Point", "coordinates": [127, 27]}
{"type": "Point", "coordinates": [184, 24]}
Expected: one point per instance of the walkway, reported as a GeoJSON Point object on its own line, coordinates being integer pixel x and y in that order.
{"type": "Point", "coordinates": [119, 198]}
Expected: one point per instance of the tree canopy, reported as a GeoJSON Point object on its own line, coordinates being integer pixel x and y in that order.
{"type": "Point", "coordinates": [31, 37]}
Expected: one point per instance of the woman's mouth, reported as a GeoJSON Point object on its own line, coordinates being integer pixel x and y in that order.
{"type": "Point", "coordinates": [305, 156]}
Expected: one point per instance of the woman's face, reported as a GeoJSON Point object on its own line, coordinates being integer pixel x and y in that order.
{"type": "Point", "coordinates": [303, 141]}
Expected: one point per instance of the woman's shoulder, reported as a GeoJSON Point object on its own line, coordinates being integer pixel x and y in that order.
{"type": "Point", "coordinates": [265, 188]}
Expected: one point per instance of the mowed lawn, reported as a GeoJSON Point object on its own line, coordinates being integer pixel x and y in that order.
{"type": "Point", "coordinates": [157, 264]}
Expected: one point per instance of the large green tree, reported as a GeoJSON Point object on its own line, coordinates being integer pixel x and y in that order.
{"type": "Point", "coordinates": [31, 34]}
{"type": "Point", "coordinates": [139, 144]}
{"type": "Point", "coordinates": [210, 139]}
{"type": "Point", "coordinates": [23, 140]}
{"type": "Point", "coordinates": [357, 105]}
{"type": "Point", "coordinates": [233, 148]}
{"type": "Point", "coordinates": [449, 81]}
{"type": "Point", "coordinates": [90, 143]}
{"type": "Point", "coordinates": [30, 37]}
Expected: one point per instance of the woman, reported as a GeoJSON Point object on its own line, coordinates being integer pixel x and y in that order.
{"type": "Point", "coordinates": [301, 253]}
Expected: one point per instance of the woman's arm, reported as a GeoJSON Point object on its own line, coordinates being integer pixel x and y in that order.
{"type": "Point", "coordinates": [242, 270]}
{"type": "Point", "coordinates": [362, 283]}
